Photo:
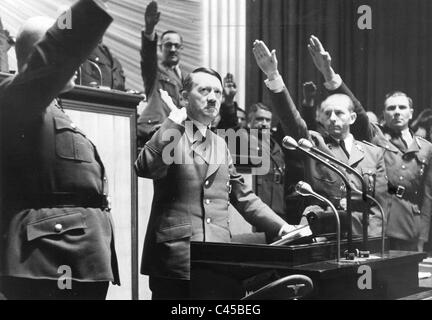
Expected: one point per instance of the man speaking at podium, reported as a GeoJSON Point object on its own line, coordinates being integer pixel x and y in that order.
{"type": "Point", "coordinates": [337, 117]}
{"type": "Point", "coordinates": [195, 182]}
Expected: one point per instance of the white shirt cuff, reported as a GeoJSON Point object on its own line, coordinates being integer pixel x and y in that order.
{"type": "Point", "coordinates": [334, 83]}
{"type": "Point", "coordinates": [275, 85]}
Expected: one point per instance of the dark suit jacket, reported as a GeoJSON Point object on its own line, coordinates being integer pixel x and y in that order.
{"type": "Point", "coordinates": [366, 159]}
{"type": "Point", "coordinates": [191, 199]}
{"type": "Point", "coordinates": [156, 76]}
{"type": "Point", "coordinates": [45, 157]}
{"type": "Point", "coordinates": [410, 168]}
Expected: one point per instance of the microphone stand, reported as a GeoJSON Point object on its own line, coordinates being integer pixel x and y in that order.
{"type": "Point", "coordinates": [308, 145]}
{"type": "Point", "coordinates": [290, 144]}
{"type": "Point", "coordinates": [380, 208]}
{"type": "Point", "coordinates": [304, 189]}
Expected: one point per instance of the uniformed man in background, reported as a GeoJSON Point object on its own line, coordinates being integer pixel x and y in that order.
{"type": "Point", "coordinates": [407, 158]}
{"type": "Point", "coordinates": [337, 114]}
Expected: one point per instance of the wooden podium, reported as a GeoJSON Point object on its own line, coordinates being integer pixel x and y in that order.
{"type": "Point", "coordinates": [230, 270]}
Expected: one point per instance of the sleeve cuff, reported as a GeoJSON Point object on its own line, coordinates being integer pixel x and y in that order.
{"type": "Point", "coordinates": [275, 85]}
{"type": "Point", "coordinates": [151, 36]}
{"type": "Point", "coordinates": [334, 83]}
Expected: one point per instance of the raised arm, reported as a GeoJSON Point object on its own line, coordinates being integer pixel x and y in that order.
{"type": "Point", "coordinates": [362, 129]}
{"type": "Point", "coordinates": [54, 61]}
{"type": "Point", "coordinates": [291, 121]}
{"type": "Point", "coordinates": [149, 63]}
{"type": "Point", "coordinates": [155, 158]}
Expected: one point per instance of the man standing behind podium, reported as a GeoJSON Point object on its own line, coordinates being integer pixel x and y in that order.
{"type": "Point", "coordinates": [56, 231]}
{"type": "Point", "coordinates": [192, 195]}
{"type": "Point", "coordinates": [337, 115]}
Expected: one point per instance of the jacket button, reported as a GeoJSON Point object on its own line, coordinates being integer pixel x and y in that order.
{"type": "Point", "coordinates": [58, 228]}
{"type": "Point", "coordinates": [207, 201]}
{"type": "Point", "coordinates": [401, 178]}
{"type": "Point", "coordinates": [206, 183]}
{"type": "Point", "coordinates": [403, 166]}
{"type": "Point", "coordinates": [208, 220]}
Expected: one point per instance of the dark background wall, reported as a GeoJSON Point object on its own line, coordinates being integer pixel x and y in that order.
{"type": "Point", "coordinates": [395, 54]}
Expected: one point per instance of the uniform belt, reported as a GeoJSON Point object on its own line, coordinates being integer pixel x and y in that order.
{"type": "Point", "coordinates": [402, 193]}
{"type": "Point", "coordinates": [67, 199]}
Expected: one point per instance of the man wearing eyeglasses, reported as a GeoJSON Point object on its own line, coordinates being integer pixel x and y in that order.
{"type": "Point", "coordinates": [164, 74]}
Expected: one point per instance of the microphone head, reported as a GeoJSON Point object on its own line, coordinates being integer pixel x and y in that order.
{"type": "Point", "coordinates": [289, 143]}
{"type": "Point", "coordinates": [303, 188]}
{"type": "Point", "coordinates": [305, 144]}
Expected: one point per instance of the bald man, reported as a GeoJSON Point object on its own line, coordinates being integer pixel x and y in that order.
{"type": "Point", "coordinates": [56, 230]}
{"type": "Point", "coordinates": [336, 115]}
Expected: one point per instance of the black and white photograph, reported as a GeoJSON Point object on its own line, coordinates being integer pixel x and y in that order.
{"type": "Point", "coordinates": [215, 154]}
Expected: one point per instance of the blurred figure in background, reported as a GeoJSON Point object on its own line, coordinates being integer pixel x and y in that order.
{"type": "Point", "coordinates": [422, 125]}
{"type": "Point", "coordinates": [101, 69]}
{"type": "Point", "coordinates": [6, 42]}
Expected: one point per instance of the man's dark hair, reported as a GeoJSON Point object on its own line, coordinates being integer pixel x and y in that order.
{"type": "Point", "coordinates": [171, 31]}
{"type": "Point", "coordinates": [188, 82]}
{"type": "Point", "coordinates": [399, 94]}
{"type": "Point", "coordinates": [256, 106]}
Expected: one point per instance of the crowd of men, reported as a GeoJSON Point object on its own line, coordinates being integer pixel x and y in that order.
{"type": "Point", "coordinates": [54, 208]}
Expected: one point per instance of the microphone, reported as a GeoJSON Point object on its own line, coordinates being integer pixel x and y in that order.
{"type": "Point", "coordinates": [305, 190]}
{"type": "Point", "coordinates": [307, 145]}
{"type": "Point", "coordinates": [290, 144]}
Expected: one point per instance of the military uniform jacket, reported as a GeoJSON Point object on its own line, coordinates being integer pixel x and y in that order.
{"type": "Point", "coordinates": [191, 199]}
{"type": "Point", "coordinates": [156, 76]}
{"type": "Point", "coordinates": [408, 169]}
{"type": "Point", "coordinates": [111, 71]}
{"type": "Point", "coordinates": [367, 159]}
{"type": "Point", "coordinates": [46, 157]}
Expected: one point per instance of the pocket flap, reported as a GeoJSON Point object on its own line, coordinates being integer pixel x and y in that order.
{"type": "Point", "coordinates": [174, 233]}
{"type": "Point", "coordinates": [55, 225]}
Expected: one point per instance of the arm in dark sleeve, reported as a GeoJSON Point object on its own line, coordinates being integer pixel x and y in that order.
{"type": "Point", "coordinates": [148, 63]}
{"type": "Point", "coordinates": [290, 119]}
{"type": "Point", "coordinates": [158, 154]}
{"type": "Point", "coordinates": [228, 113]}
{"type": "Point", "coordinates": [250, 206]}
{"type": "Point", "coordinates": [54, 60]}
{"type": "Point", "coordinates": [308, 113]}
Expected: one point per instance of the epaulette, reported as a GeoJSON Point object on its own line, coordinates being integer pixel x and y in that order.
{"type": "Point", "coordinates": [370, 144]}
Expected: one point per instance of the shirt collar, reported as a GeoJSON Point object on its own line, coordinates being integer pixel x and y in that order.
{"type": "Point", "coordinates": [189, 129]}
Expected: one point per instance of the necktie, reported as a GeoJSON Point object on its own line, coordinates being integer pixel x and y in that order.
{"type": "Point", "coordinates": [343, 147]}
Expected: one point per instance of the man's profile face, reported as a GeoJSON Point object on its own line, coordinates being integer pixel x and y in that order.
{"type": "Point", "coordinates": [205, 97]}
{"type": "Point", "coordinates": [397, 112]}
{"type": "Point", "coordinates": [171, 45]}
{"type": "Point", "coordinates": [337, 115]}
{"type": "Point", "coordinates": [261, 119]}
